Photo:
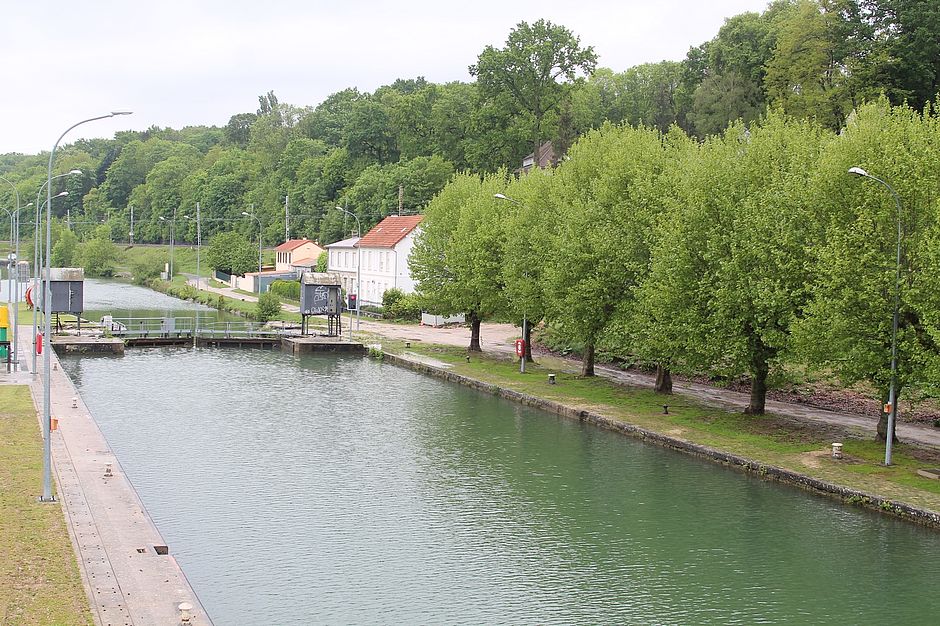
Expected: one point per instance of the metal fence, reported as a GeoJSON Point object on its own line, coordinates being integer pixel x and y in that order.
{"type": "Point", "coordinates": [168, 327]}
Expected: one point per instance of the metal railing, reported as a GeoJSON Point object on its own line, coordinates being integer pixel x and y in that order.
{"type": "Point", "coordinates": [177, 327]}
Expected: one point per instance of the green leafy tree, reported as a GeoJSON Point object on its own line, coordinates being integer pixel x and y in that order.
{"type": "Point", "coordinates": [848, 323]}
{"type": "Point", "coordinates": [268, 307]}
{"type": "Point", "coordinates": [64, 251]}
{"type": "Point", "coordinates": [230, 252]}
{"type": "Point", "coordinates": [729, 272]}
{"type": "Point", "coordinates": [722, 99]}
{"type": "Point", "coordinates": [536, 70]}
{"type": "Point", "coordinates": [457, 255]}
{"type": "Point", "coordinates": [98, 255]}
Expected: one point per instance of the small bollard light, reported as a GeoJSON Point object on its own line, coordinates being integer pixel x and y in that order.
{"type": "Point", "coordinates": [186, 613]}
{"type": "Point", "coordinates": [74, 402]}
{"type": "Point", "coordinates": [468, 358]}
{"type": "Point", "coordinates": [55, 367]}
{"type": "Point", "coordinates": [551, 379]}
{"type": "Point", "coordinates": [837, 450]}
{"type": "Point", "coordinates": [407, 344]}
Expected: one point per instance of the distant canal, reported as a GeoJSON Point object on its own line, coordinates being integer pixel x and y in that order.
{"type": "Point", "coordinates": [346, 491]}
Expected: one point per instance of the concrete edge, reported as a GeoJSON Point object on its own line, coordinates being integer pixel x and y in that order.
{"type": "Point", "coordinates": [846, 495]}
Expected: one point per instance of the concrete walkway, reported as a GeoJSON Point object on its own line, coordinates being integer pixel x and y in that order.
{"type": "Point", "coordinates": [499, 338]}
{"type": "Point", "coordinates": [129, 575]}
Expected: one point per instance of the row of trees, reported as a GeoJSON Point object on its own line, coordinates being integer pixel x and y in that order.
{"type": "Point", "coordinates": [736, 256]}
{"type": "Point", "coordinates": [397, 146]}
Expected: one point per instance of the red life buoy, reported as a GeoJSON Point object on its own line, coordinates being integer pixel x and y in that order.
{"type": "Point", "coordinates": [29, 297]}
{"type": "Point", "coordinates": [520, 347]}
{"type": "Point", "coordinates": [39, 343]}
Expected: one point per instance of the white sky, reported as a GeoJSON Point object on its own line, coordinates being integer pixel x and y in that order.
{"type": "Point", "coordinates": [179, 63]}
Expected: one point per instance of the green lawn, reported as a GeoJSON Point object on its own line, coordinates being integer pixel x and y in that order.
{"type": "Point", "coordinates": [39, 578]}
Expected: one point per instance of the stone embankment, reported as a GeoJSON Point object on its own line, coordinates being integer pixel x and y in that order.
{"type": "Point", "coordinates": [845, 494]}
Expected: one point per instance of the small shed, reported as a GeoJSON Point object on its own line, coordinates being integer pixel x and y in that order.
{"type": "Point", "coordinates": [67, 291]}
{"type": "Point", "coordinates": [321, 294]}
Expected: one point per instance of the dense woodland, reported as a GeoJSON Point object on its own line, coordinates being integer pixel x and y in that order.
{"type": "Point", "coordinates": [702, 219]}
{"type": "Point", "coordinates": [370, 152]}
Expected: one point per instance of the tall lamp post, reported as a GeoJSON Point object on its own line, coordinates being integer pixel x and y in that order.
{"type": "Point", "coordinates": [172, 238]}
{"type": "Point", "coordinates": [252, 216]}
{"type": "Point", "coordinates": [37, 263]}
{"type": "Point", "coordinates": [47, 325]}
{"type": "Point", "coordinates": [892, 393]}
{"type": "Point", "coordinates": [358, 264]}
{"type": "Point", "coordinates": [527, 350]}
{"type": "Point", "coordinates": [198, 258]}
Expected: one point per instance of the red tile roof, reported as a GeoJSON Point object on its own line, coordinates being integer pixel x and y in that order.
{"type": "Point", "coordinates": [287, 246]}
{"type": "Point", "coordinates": [390, 231]}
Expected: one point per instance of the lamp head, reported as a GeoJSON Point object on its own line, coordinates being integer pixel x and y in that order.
{"type": "Point", "coordinates": [115, 113]}
{"type": "Point", "coordinates": [857, 171]}
{"type": "Point", "coordinates": [246, 214]}
{"type": "Point", "coordinates": [60, 194]}
{"type": "Point", "coordinates": [73, 172]}
{"type": "Point", "coordinates": [500, 196]}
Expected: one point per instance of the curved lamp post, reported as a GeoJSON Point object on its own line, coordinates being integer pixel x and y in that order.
{"type": "Point", "coordinates": [892, 394]}
{"type": "Point", "coordinates": [252, 216]}
{"type": "Point", "coordinates": [358, 268]}
{"type": "Point", "coordinates": [47, 326]}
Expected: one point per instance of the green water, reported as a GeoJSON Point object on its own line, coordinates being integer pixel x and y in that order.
{"type": "Point", "coordinates": [346, 491]}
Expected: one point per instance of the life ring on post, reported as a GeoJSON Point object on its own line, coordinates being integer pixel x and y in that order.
{"type": "Point", "coordinates": [29, 297]}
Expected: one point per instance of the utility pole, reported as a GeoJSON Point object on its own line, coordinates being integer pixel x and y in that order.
{"type": "Point", "coordinates": [286, 219]}
{"type": "Point", "coordinates": [132, 224]}
{"type": "Point", "coordinates": [401, 198]}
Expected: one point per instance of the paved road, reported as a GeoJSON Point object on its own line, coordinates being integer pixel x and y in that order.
{"type": "Point", "coordinates": [499, 338]}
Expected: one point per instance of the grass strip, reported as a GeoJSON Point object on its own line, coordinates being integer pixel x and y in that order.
{"type": "Point", "coordinates": [39, 578]}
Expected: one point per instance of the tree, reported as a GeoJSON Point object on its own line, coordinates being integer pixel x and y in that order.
{"type": "Point", "coordinates": [268, 307]}
{"type": "Point", "coordinates": [231, 253]}
{"type": "Point", "coordinates": [848, 323]}
{"type": "Point", "coordinates": [99, 254]}
{"type": "Point", "coordinates": [722, 99]}
{"type": "Point", "coordinates": [64, 250]}
{"type": "Point", "coordinates": [457, 254]}
{"type": "Point", "coordinates": [729, 271]}
{"type": "Point", "coordinates": [238, 129]}
{"type": "Point", "coordinates": [529, 68]}
{"type": "Point", "coordinates": [608, 199]}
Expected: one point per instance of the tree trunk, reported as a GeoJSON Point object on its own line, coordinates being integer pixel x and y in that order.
{"type": "Point", "coordinates": [758, 387]}
{"type": "Point", "coordinates": [527, 336]}
{"type": "Point", "coordinates": [663, 379]}
{"type": "Point", "coordinates": [882, 430]}
{"type": "Point", "coordinates": [474, 332]}
{"type": "Point", "coordinates": [587, 364]}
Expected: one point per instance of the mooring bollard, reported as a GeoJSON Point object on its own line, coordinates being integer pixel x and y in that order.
{"type": "Point", "coordinates": [407, 344]}
{"type": "Point", "coordinates": [551, 379]}
{"type": "Point", "coordinates": [74, 402]}
{"type": "Point", "coordinates": [665, 409]}
{"type": "Point", "coordinates": [837, 450]}
{"type": "Point", "coordinates": [186, 613]}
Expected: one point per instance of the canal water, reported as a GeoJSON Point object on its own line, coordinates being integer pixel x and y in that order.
{"type": "Point", "coordinates": [347, 491]}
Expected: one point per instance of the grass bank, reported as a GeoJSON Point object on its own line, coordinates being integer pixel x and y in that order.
{"type": "Point", "coordinates": [39, 578]}
{"type": "Point", "coordinates": [771, 440]}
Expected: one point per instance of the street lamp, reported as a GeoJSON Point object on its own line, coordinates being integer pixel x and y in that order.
{"type": "Point", "coordinates": [358, 268]}
{"type": "Point", "coordinates": [37, 262]}
{"type": "Point", "coordinates": [172, 238]}
{"type": "Point", "coordinates": [527, 350]}
{"type": "Point", "coordinates": [892, 394]}
{"type": "Point", "coordinates": [47, 322]}
{"type": "Point", "coordinates": [252, 216]}
{"type": "Point", "coordinates": [198, 258]}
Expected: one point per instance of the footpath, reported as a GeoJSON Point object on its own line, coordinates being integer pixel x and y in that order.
{"type": "Point", "coordinates": [129, 573]}
{"type": "Point", "coordinates": [499, 338]}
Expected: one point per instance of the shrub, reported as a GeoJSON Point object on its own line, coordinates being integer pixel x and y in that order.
{"type": "Point", "coordinates": [269, 306]}
{"type": "Point", "coordinates": [406, 308]}
{"type": "Point", "coordinates": [289, 289]}
{"type": "Point", "coordinates": [391, 296]}
{"type": "Point", "coordinates": [148, 266]}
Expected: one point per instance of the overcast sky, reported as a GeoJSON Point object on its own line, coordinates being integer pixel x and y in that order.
{"type": "Point", "coordinates": [179, 63]}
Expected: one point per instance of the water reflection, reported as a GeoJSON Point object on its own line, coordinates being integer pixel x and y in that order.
{"type": "Point", "coordinates": [322, 490]}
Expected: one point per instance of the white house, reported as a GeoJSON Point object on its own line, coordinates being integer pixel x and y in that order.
{"type": "Point", "coordinates": [343, 259]}
{"type": "Point", "coordinates": [385, 251]}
